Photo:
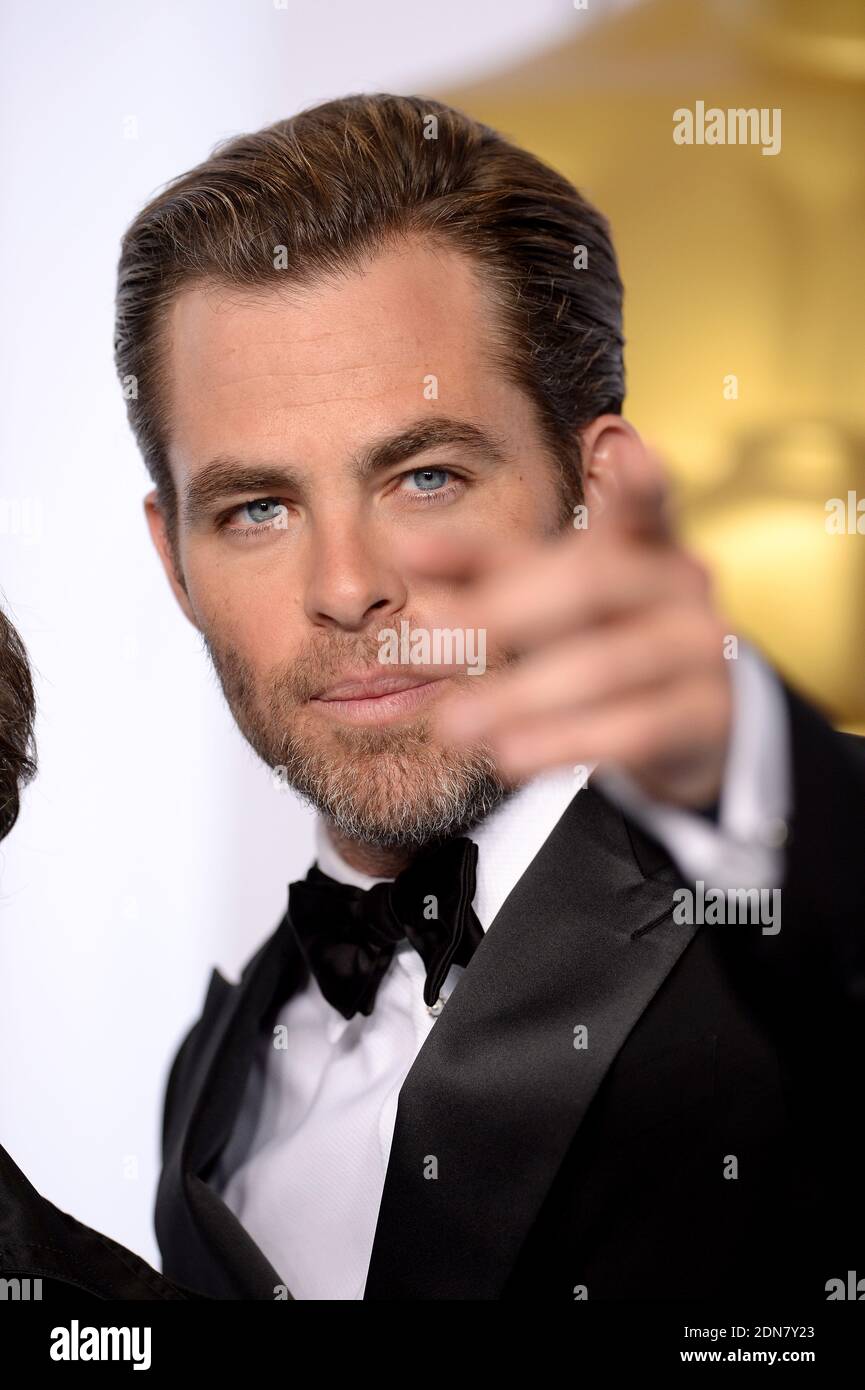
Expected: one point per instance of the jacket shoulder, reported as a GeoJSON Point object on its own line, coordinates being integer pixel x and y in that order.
{"type": "Point", "coordinates": [854, 745]}
{"type": "Point", "coordinates": [196, 1049]}
{"type": "Point", "coordinates": [189, 1052]}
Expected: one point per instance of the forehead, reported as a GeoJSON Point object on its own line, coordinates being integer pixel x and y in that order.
{"type": "Point", "coordinates": [335, 361]}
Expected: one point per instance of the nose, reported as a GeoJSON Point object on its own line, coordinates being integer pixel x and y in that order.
{"type": "Point", "coordinates": [352, 582]}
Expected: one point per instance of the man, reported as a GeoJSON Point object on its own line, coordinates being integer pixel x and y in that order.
{"type": "Point", "coordinates": [498, 1047]}
{"type": "Point", "coordinates": [45, 1254]}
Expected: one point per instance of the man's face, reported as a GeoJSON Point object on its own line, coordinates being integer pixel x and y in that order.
{"type": "Point", "coordinates": [294, 523]}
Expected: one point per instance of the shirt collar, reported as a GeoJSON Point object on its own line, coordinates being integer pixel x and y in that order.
{"type": "Point", "coordinates": [507, 840]}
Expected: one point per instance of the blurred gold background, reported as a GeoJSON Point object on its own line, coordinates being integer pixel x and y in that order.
{"type": "Point", "coordinates": [734, 263]}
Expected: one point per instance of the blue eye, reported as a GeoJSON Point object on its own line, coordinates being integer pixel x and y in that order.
{"type": "Point", "coordinates": [263, 509]}
{"type": "Point", "coordinates": [429, 479]}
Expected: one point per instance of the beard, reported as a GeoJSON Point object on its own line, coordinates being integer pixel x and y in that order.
{"type": "Point", "coordinates": [391, 788]}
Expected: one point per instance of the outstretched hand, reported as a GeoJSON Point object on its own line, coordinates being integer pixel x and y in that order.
{"type": "Point", "coordinates": [620, 648]}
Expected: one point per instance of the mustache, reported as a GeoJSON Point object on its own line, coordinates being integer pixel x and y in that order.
{"type": "Point", "coordinates": [324, 661]}
{"type": "Point", "coordinates": [318, 663]}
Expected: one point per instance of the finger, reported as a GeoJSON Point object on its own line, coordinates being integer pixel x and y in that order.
{"type": "Point", "coordinates": [569, 588]}
{"type": "Point", "coordinates": [462, 559]}
{"type": "Point", "coordinates": [676, 723]}
{"type": "Point", "coordinates": [596, 668]}
{"type": "Point", "coordinates": [640, 503]}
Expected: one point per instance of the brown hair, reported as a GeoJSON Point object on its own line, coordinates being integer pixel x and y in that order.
{"type": "Point", "coordinates": [340, 181]}
{"type": "Point", "coordinates": [17, 711]}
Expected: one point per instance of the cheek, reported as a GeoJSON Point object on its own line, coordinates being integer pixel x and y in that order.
{"type": "Point", "coordinates": [243, 609]}
{"type": "Point", "coordinates": [529, 502]}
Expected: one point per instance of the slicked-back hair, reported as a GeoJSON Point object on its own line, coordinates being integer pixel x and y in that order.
{"type": "Point", "coordinates": [17, 712]}
{"type": "Point", "coordinates": [316, 194]}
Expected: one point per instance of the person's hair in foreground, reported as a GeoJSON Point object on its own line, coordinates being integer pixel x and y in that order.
{"type": "Point", "coordinates": [17, 712]}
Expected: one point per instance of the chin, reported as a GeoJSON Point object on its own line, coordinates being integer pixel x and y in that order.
{"type": "Point", "coordinates": [392, 788]}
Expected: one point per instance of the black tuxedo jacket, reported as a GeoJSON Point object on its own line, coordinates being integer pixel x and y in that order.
{"type": "Point", "coordinates": [605, 1171]}
{"type": "Point", "coordinates": [39, 1242]}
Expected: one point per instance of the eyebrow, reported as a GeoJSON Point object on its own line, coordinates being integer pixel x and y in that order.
{"type": "Point", "coordinates": [225, 476]}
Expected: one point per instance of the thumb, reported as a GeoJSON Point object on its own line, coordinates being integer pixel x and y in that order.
{"type": "Point", "coordinates": [639, 499]}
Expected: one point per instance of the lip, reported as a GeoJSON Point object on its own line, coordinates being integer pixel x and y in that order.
{"type": "Point", "coordinates": [366, 687]}
{"type": "Point", "coordinates": [377, 699]}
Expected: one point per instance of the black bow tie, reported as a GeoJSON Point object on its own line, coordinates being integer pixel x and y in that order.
{"type": "Point", "coordinates": [348, 935]}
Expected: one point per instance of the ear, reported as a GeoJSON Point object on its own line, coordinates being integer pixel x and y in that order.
{"type": "Point", "coordinates": [160, 537]}
{"type": "Point", "coordinates": [612, 452]}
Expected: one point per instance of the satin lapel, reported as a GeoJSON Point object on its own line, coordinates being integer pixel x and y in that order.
{"type": "Point", "coordinates": [499, 1089]}
{"type": "Point", "coordinates": [201, 1239]}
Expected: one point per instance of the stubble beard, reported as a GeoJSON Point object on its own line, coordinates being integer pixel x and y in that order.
{"type": "Point", "coordinates": [391, 788]}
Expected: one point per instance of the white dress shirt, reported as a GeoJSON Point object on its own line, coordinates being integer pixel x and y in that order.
{"type": "Point", "coordinates": [304, 1171]}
